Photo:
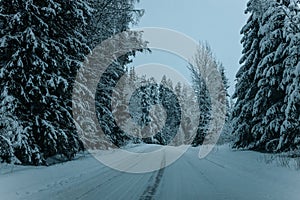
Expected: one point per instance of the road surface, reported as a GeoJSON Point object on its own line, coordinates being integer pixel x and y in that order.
{"type": "Point", "coordinates": [223, 175]}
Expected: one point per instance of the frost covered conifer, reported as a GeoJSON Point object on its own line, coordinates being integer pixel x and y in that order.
{"type": "Point", "coordinates": [266, 114]}
{"type": "Point", "coordinates": [41, 49]}
{"type": "Point", "coordinates": [246, 87]}
{"type": "Point", "coordinates": [269, 97]}
{"type": "Point", "coordinates": [201, 74]}
{"type": "Point", "coordinates": [290, 129]}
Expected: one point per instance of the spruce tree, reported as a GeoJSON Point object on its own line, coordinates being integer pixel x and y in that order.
{"type": "Point", "coordinates": [272, 122]}
{"type": "Point", "coordinates": [227, 128]}
{"type": "Point", "coordinates": [200, 73]}
{"type": "Point", "coordinates": [41, 49]}
{"type": "Point", "coordinates": [246, 88]}
{"type": "Point", "coordinates": [269, 97]}
{"type": "Point", "coordinates": [290, 128]}
{"type": "Point", "coordinates": [110, 19]}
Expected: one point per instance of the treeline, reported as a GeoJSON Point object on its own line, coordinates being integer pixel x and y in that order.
{"type": "Point", "coordinates": [162, 112]}
{"type": "Point", "coordinates": [198, 120]}
{"type": "Point", "coordinates": [266, 116]}
{"type": "Point", "coordinates": [155, 112]}
{"type": "Point", "coordinates": [42, 45]}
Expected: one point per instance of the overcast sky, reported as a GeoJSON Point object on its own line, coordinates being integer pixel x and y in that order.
{"type": "Point", "coordinates": [216, 21]}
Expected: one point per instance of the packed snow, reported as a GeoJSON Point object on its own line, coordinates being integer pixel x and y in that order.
{"type": "Point", "coordinates": [223, 174]}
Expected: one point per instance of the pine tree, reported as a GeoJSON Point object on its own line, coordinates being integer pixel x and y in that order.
{"type": "Point", "coordinates": [9, 127]}
{"type": "Point", "coordinates": [201, 74]}
{"type": "Point", "coordinates": [246, 87]}
{"type": "Point", "coordinates": [150, 104]}
{"type": "Point", "coordinates": [190, 108]}
{"type": "Point", "coordinates": [104, 100]}
{"type": "Point", "coordinates": [41, 49]}
{"type": "Point", "coordinates": [290, 128]}
{"type": "Point", "coordinates": [156, 111]}
{"type": "Point", "coordinates": [273, 109]}
{"type": "Point", "coordinates": [269, 97]}
{"type": "Point", "coordinates": [110, 19]}
{"type": "Point", "coordinates": [142, 102]}
{"type": "Point", "coordinates": [227, 128]}
{"type": "Point", "coordinates": [178, 138]}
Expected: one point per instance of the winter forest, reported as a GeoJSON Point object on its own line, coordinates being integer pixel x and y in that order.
{"type": "Point", "coordinates": [45, 43]}
{"type": "Point", "coordinates": [37, 77]}
{"type": "Point", "coordinates": [40, 58]}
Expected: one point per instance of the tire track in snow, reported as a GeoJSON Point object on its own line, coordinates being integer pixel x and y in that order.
{"type": "Point", "coordinates": [197, 169]}
{"type": "Point", "coordinates": [151, 190]}
{"type": "Point", "coordinates": [95, 188]}
{"type": "Point", "coordinates": [215, 163]}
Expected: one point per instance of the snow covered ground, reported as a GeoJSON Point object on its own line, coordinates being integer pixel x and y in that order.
{"type": "Point", "coordinates": [223, 175]}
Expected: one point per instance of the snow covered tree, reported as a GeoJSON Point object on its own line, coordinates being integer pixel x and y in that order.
{"type": "Point", "coordinates": [201, 75]}
{"type": "Point", "coordinates": [226, 134]}
{"type": "Point", "coordinates": [179, 138]}
{"type": "Point", "coordinates": [41, 49]}
{"type": "Point", "coordinates": [246, 87]}
{"type": "Point", "coordinates": [141, 103]}
{"type": "Point", "coordinates": [10, 127]}
{"type": "Point", "coordinates": [103, 99]}
{"type": "Point", "coordinates": [109, 18]}
{"type": "Point", "coordinates": [189, 126]}
{"type": "Point", "coordinates": [170, 102]}
{"type": "Point", "coordinates": [269, 73]}
{"type": "Point", "coordinates": [290, 128]}
{"type": "Point", "coordinates": [269, 97]}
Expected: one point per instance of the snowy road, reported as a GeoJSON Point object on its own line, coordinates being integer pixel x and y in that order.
{"type": "Point", "coordinates": [223, 175]}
